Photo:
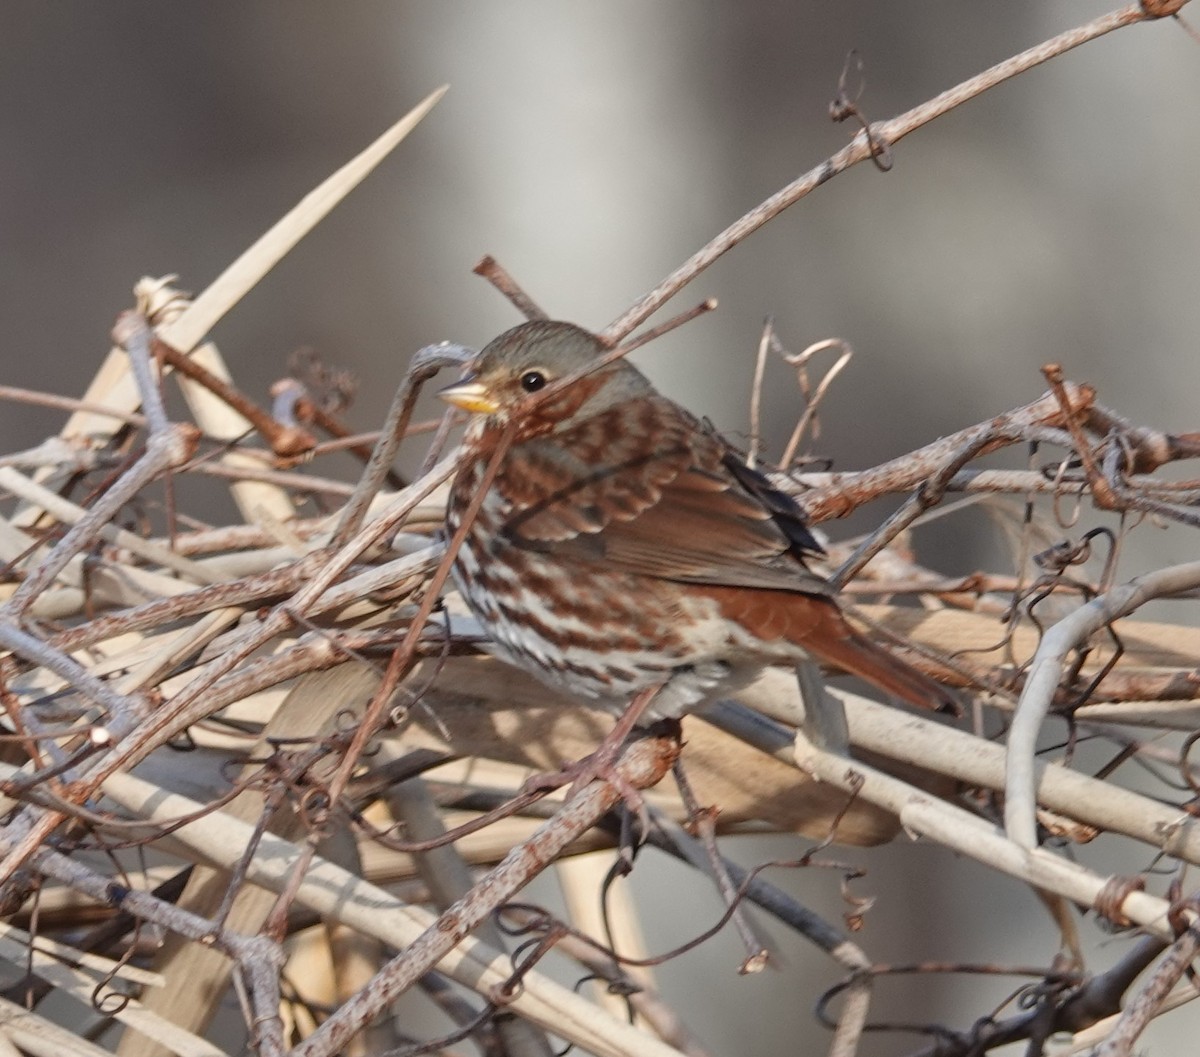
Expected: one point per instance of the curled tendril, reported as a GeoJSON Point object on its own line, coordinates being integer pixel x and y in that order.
{"type": "Point", "coordinates": [441, 1044]}
{"type": "Point", "coordinates": [843, 108]}
{"type": "Point", "coordinates": [1185, 768]}
{"type": "Point", "coordinates": [106, 1001]}
{"type": "Point", "coordinates": [314, 807]}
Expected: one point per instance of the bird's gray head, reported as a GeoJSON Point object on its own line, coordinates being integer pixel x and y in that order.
{"type": "Point", "coordinates": [528, 358]}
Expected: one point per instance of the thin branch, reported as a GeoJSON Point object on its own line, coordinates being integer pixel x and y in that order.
{"type": "Point", "coordinates": [1147, 1003]}
{"type": "Point", "coordinates": [846, 492]}
{"type": "Point", "coordinates": [866, 145]}
{"type": "Point", "coordinates": [495, 273]}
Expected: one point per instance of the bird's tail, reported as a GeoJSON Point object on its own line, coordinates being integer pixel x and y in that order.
{"type": "Point", "coordinates": [816, 625]}
{"type": "Point", "coordinates": [859, 656]}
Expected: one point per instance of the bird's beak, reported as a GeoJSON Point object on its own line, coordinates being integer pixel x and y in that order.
{"type": "Point", "coordinates": [471, 396]}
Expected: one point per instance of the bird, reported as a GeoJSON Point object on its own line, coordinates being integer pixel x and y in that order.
{"type": "Point", "coordinates": [618, 548]}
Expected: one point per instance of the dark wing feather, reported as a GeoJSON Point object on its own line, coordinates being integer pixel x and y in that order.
{"type": "Point", "coordinates": [643, 488]}
{"type": "Point", "coordinates": [788, 516]}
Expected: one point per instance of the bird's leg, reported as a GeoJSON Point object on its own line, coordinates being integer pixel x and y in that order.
{"type": "Point", "coordinates": [824, 722]}
{"type": "Point", "coordinates": [599, 764]}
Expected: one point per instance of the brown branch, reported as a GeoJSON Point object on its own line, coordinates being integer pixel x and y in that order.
{"type": "Point", "coordinates": [286, 441]}
{"type": "Point", "coordinates": [1138, 1013]}
{"type": "Point", "coordinates": [867, 144]}
{"type": "Point", "coordinates": [496, 274]}
{"type": "Point", "coordinates": [846, 492]}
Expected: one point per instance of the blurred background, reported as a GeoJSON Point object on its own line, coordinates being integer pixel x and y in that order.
{"type": "Point", "coordinates": [592, 147]}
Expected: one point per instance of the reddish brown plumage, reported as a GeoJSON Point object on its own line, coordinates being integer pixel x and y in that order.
{"type": "Point", "coordinates": [818, 627]}
{"type": "Point", "coordinates": [623, 545]}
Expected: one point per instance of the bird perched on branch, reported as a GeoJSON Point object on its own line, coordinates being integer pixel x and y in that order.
{"type": "Point", "coordinates": [620, 549]}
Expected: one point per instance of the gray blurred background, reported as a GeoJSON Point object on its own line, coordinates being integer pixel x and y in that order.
{"type": "Point", "coordinates": [591, 147]}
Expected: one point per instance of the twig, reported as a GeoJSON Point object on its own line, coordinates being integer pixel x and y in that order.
{"type": "Point", "coordinates": [1086, 1038]}
{"type": "Point", "coordinates": [957, 829]}
{"type": "Point", "coordinates": [168, 447]}
{"type": "Point", "coordinates": [812, 401]}
{"type": "Point", "coordinates": [1014, 482]}
{"type": "Point", "coordinates": [191, 703]}
{"type": "Point", "coordinates": [404, 656]}
{"type": "Point", "coordinates": [1148, 1002]}
{"type": "Point", "coordinates": [68, 513]}
{"type": "Point", "coordinates": [709, 304]}
{"type": "Point", "coordinates": [846, 492]}
{"type": "Point", "coordinates": [757, 949]}
{"type": "Point", "coordinates": [341, 896]}
{"type": "Point", "coordinates": [192, 603]}
{"type": "Point", "coordinates": [921, 814]}
{"type": "Point", "coordinates": [1089, 1003]}
{"type": "Point", "coordinates": [866, 145]}
{"type": "Point", "coordinates": [978, 763]}
{"type": "Point", "coordinates": [297, 482]}
{"type": "Point", "coordinates": [1149, 448]}
{"type": "Point", "coordinates": [145, 906]}
{"type": "Point", "coordinates": [425, 364]}
{"type": "Point", "coordinates": [856, 1004]}
{"type": "Point", "coordinates": [449, 879]}
{"type": "Point", "coordinates": [36, 398]}
{"type": "Point", "coordinates": [285, 440]}
{"type": "Point", "coordinates": [927, 495]}
{"type": "Point", "coordinates": [496, 274]}
{"type": "Point", "coordinates": [765, 342]}
{"type": "Point", "coordinates": [648, 1004]}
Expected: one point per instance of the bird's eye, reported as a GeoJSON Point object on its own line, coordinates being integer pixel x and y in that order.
{"type": "Point", "coordinates": [532, 381]}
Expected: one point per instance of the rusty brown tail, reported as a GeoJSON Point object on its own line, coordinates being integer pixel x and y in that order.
{"type": "Point", "coordinates": [859, 656]}
{"type": "Point", "coordinates": [817, 625]}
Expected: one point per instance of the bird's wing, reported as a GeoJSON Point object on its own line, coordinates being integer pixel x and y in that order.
{"type": "Point", "coordinates": [644, 488]}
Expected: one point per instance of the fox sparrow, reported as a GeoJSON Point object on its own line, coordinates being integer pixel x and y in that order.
{"type": "Point", "coordinates": [623, 546]}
